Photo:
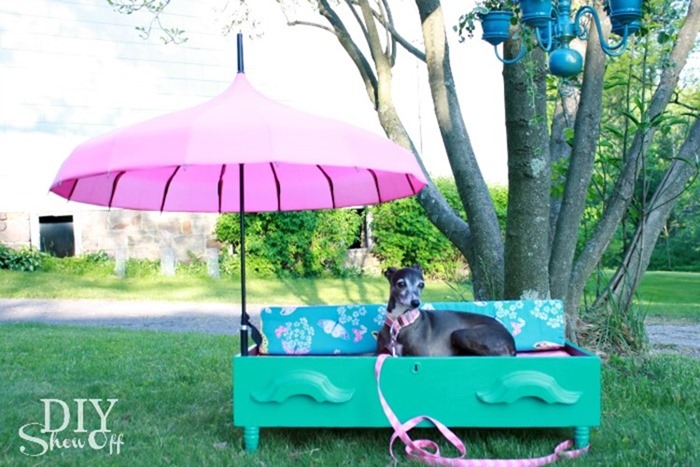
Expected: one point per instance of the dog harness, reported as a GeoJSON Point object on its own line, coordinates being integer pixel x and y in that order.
{"type": "Point", "coordinates": [396, 325]}
{"type": "Point", "coordinates": [426, 450]}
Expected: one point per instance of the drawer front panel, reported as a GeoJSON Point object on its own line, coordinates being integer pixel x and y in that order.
{"type": "Point", "coordinates": [465, 391]}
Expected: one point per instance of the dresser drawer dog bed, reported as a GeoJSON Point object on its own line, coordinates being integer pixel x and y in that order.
{"type": "Point", "coordinates": [315, 368]}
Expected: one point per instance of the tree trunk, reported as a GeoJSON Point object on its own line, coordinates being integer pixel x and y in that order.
{"type": "Point", "coordinates": [529, 176]}
{"type": "Point", "coordinates": [585, 142]}
{"type": "Point", "coordinates": [560, 151]}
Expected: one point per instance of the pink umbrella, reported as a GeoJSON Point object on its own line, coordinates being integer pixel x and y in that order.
{"type": "Point", "coordinates": [238, 152]}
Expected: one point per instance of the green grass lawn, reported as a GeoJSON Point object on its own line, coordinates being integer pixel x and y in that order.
{"type": "Point", "coordinates": [174, 407]}
{"type": "Point", "coordinates": [667, 295]}
{"type": "Point", "coordinates": [15, 284]}
{"type": "Point", "coordinates": [670, 295]}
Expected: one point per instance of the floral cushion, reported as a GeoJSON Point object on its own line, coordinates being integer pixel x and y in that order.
{"type": "Point", "coordinates": [352, 329]}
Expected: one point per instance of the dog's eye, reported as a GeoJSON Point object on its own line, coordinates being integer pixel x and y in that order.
{"type": "Point", "coordinates": [401, 284]}
{"type": "Point", "coordinates": [421, 285]}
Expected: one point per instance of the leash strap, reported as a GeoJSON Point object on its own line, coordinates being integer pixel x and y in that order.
{"type": "Point", "coordinates": [428, 452]}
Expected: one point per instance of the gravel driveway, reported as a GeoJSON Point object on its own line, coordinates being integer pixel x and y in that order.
{"type": "Point", "coordinates": [224, 318]}
{"type": "Point", "coordinates": [675, 337]}
{"type": "Point", "coordinates": [217, 318]}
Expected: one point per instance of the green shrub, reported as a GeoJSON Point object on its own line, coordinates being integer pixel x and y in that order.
{"type": "Point", "coordinates": [194, 265]}
{"type": "Point", "coordinates": [142, 267]}
{"type": "Point", "coordinates": [499, 195]}
{"type": "Point", "coordinates": [6, 257]}
{"type": "Point", "coordinates": [95, 264]}
{"type": "Point", "coordinates": [24, 259]}
{"type": "Point", "coordinates": [299, 244]}
{"type": "Point", "coordinates": [314, 243]}
{"type": "Point", "coordinates": [97, 257]}
{"type": "Point", "coordinates": [404, 235]}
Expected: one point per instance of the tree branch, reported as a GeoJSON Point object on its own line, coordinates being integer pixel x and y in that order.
{"type": "Point", "coordinates": [358, 18]}
{"type": "Point", "coordinates": [559, 149]}
{"type": "Point", "coordinates": [694, 111]}
{"type": "Point", "coordinates": [356, 55]}
{"type": "Point", "coordinates": [381, 61]}
{"type": "Point", "coordinates": [312, 24]}
{"type": "Point", "coordinates": [581, 163]}
{"type": "Point", "coordinates": [390, 40]}
{"type": "Point", "coordinates": [389, 26]}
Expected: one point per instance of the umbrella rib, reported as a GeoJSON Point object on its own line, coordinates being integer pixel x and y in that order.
{"type": "Point", "coordinates": [167, 187]}
{"type": "Point", "coordinates": [410, 183]}
{"type": "Point", "coordinates": [376, 185]}
{"type": "Point", "coordinates": [114, 188]}
{"type": "Point", "coordinates": [330, 184]}
{"type": "Point", "coordinates": [220, 186]}
{"type": "Point", "coordinates": [72, 189]}
{"type": "Point", "coordinates": [279, 188]}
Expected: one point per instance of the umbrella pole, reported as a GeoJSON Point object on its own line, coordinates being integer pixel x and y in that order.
{"type": "Point", "coordinates": [241, 183]}
{"type": "Point", "coordinates": [244, 314]}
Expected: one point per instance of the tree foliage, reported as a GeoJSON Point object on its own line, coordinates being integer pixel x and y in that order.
{"type": "Point", "coordinates": [678, 248]}
{"type": "Point", "coordinates": [303, 244]}
{"type": "Point", "coordinates": [404, 236]}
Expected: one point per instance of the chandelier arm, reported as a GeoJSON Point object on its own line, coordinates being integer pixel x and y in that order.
{"type": "Point", "coordinates": [520, 55]}
{"type": "Point", "coordinates": [550, 45]}
{"type": "Point", "coordinates": [581, 32]}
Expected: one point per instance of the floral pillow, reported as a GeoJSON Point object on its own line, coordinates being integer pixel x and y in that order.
{"type": "Point", "coordinates": [321, 330]}
{"type": "Point", "coordinates": [352, 329]}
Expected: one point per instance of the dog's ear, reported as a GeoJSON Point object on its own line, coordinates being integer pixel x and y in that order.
{"type": "Point", "coordinates": [418, 268]}
{"type": "Point", "coordinates": [389, 272]}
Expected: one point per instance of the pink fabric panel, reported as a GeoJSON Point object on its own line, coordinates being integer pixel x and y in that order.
{"type": "Point", "coordinates": [96, 189]}
{"type": "Point", "coordinates": [192, 187]}
{"type": "Point", "coordinates": [260, 188]}
{"type": "Point", "coordinates": [392, 184]}
{"type": "Point", "coordinates": [142, 189]}
{"type": "Point", "coordinates": [303, 187]}
{"type": "Point", "coordinates": [353, 186]}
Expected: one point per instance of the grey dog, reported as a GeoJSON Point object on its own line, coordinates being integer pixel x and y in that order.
{"type": "Point", "coordinates": [436, 333]}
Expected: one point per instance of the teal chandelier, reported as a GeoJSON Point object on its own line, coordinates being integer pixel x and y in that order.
{"type": "Point", "coordinates": [553, 28]}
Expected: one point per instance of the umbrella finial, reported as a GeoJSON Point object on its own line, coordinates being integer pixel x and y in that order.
{"type": "Point", "coordinates": [240, 52]}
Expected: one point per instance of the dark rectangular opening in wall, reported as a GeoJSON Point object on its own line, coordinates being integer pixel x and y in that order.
{"type": "Point", "coordinates": [56, 235]}
{"type": "Point", "coordinates": [362, 236]}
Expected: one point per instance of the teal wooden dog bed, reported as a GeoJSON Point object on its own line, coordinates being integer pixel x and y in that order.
{"type": "Point", "coordinates": [315, 368]}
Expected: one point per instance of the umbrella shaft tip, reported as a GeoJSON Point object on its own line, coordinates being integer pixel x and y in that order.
{"type": "Point", "coordinates": [240, 52]}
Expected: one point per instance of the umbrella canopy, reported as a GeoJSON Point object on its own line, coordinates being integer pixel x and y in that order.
{"type": "Point", "coordinates": [238, 152]}
{"type": "Point", "coordinates": [190, 161]}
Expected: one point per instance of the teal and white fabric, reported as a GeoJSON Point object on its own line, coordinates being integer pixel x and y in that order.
{"type": "Point", "coordinates": [352, 329]}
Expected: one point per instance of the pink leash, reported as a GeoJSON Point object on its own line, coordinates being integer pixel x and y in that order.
{"type": "Point", "coordinates": [418, 449]}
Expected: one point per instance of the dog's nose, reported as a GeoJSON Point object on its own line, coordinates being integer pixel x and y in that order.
{"type": "Point", "coordinates": [415, 303]}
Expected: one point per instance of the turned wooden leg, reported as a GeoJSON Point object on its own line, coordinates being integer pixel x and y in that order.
{"type": "Point", "coordinates": [582, 436]}
{"type": "Point", "coordinates": [251, 436]}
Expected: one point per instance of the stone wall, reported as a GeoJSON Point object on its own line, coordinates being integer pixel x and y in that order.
{"type": "Point", "coordinates": [15, 229]}
{"type": "Point", "coordinates": [143, 234]}
{"type": "Point", "coordinates": [146, 234]}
